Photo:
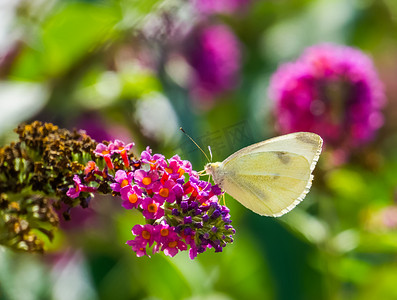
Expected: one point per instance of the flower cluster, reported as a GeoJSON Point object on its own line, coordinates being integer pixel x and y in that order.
{"type": "Point", "coordinates": [331, 90]}
{"type": "Point", "coordinates": [115, 155]}
{"type": "Point", "coordinates": [37, 168]}
{"type": "Point", "coordinates": [181, 211]}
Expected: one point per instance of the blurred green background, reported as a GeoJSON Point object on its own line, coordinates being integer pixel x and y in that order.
{"type": "Point", "coordinates": [118, 69]}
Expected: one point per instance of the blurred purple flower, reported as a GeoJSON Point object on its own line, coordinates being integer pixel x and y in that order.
{"type": "Point", "coordinates": [331, 90]}
{"type": "Point", "coordinates": [215, 55]}
{"type": "Point", "coordinates": [220, 6]}
{"type": "Point", "coordinates": [93, 124]}
{"type": "Point", "coordinates": [82, 218]}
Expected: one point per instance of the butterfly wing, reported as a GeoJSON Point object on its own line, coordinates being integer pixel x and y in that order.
{"type": "Point", "coordinates": [273, 176]}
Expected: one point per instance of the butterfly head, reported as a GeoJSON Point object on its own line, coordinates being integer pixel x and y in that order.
{"type": "Point", "coordinates": [211, 168]}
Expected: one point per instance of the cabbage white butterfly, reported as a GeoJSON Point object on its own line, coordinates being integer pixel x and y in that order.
{"type": "Point", "coordinates": [270, 177]}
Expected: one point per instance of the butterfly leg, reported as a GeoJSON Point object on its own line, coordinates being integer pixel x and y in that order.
{"type": "Point", "coordinates": [224, 199]}
{"type": "Point", "coordinates": [201, 173]}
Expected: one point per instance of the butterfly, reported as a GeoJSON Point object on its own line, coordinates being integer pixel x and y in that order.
{"type": "Point", "coordinates": [270, 177]}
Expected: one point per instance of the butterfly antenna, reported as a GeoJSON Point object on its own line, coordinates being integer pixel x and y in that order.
{"type": "Point", "coordinates": [206, 156]}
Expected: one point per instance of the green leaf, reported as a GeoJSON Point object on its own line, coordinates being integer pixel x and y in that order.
{"type": "Point", "coordinates": [74, 31]}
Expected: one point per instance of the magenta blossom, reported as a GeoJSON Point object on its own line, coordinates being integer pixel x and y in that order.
{"type": "Point", "coordinates": [169, 241]}
{"type": "Point", "coordinates": [166, 191]}
{"type": "Point", "coordinates": [147, 180]}
{"type": "Point", "coordinates": [153, 161]}
{"type": "Point", "coordinates": [174, 169]}
{"type": "Point", "coordinates": [132, 197]}
{"type": "Point", "coordinates": [202, 188]}
{"type": "Point", "coordinates": [122, 180]}
{"type": "Point", "coordinates": [138, 246]}
{"type": "Point", "coordinates": [215, 55]}
{"type": "Point", "coordinates": [105, 152]}
{"type": "Point", "coordinates": [331, 90]}
{"type": "Point", "coordinates": [177, 167]}
{"type": "Point", "coordinates": [171, 247]}
{"type": "Point", "coordinates": [147, 233]}
{"type": "Point", "coordinates": [118, 147]}
{"type": "Point", "coordinates": [167, 233]}
{"type": "Point", "coordinates": [74, 192]}
{"type": "Point", "coordinates": [193, 251]}
{"type": "Point", "coordinates": [220, 6]}
{"type": "Point", "coordinates": [152, 207]}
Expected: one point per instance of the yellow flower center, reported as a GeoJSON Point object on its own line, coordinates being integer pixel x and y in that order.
{"type": "Point", "coordinates": [152, 208]}
{"type": "Point", "coordinates": [133, 198]}
{"type": "Point", "coordinates": [164, 232]}
{"type": "Point", "coordinates": [124, 183]}
{"type": "Point", "coordinates": [146, 234]}
{"type": "Point", "coordinates": [168, 170]}
{"type": "Point", "coordinates": [147, 180]}
{"type": "Point", "coordinates": [172, 244]}
{"type": "Point", "coordinates": [164, 192]}
{"type": "Point", "coordinates": [104, 152]}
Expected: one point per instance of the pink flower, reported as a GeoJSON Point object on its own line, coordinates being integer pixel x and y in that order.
{"type": "Point", "coordinates": [177, 167]}
{"type": "Point", "coordinates": [118, 147]}
{"type": "Point", "coordinates": [166, 191]}
{"type": "Point", "coordinates": [215, 55]}
{"type": "Point", "coordinates": [75, 191]}
{"type": "Point", "coordinates": [105, 152]}
{"type": "Point", "coordinates": [152, 207]}
{"type": "Point", "coordinates": [147, 180]}
{"type": "Point", "coordinates": [193, 251]}
{"type": "Point", "coordinates": [168, 241]}
{"type": "Point", "coordinates": [146, 234]}
{"type": "Point", "coordinates": [220, 6]}
{"type": "Point", "coordinates": [174, 169]}
{"type": "Point", "coordinates": [123, 180]}
{"type": "Point", "coordinates": [331, 90]}
{"type": "Point", "coordinates": [138, 246]}
{"type": "Point", "coordinates": [132, 197]}
{"type": "Point", "coordinates": [171, 247]}
{"type": "Point", "coordinates": [201, 188]}
{"type": "Point", "coordinates": [154, 161]}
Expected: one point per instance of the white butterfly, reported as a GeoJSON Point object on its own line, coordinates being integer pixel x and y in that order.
{"type": "Point", "coordinates": [270, 177]}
